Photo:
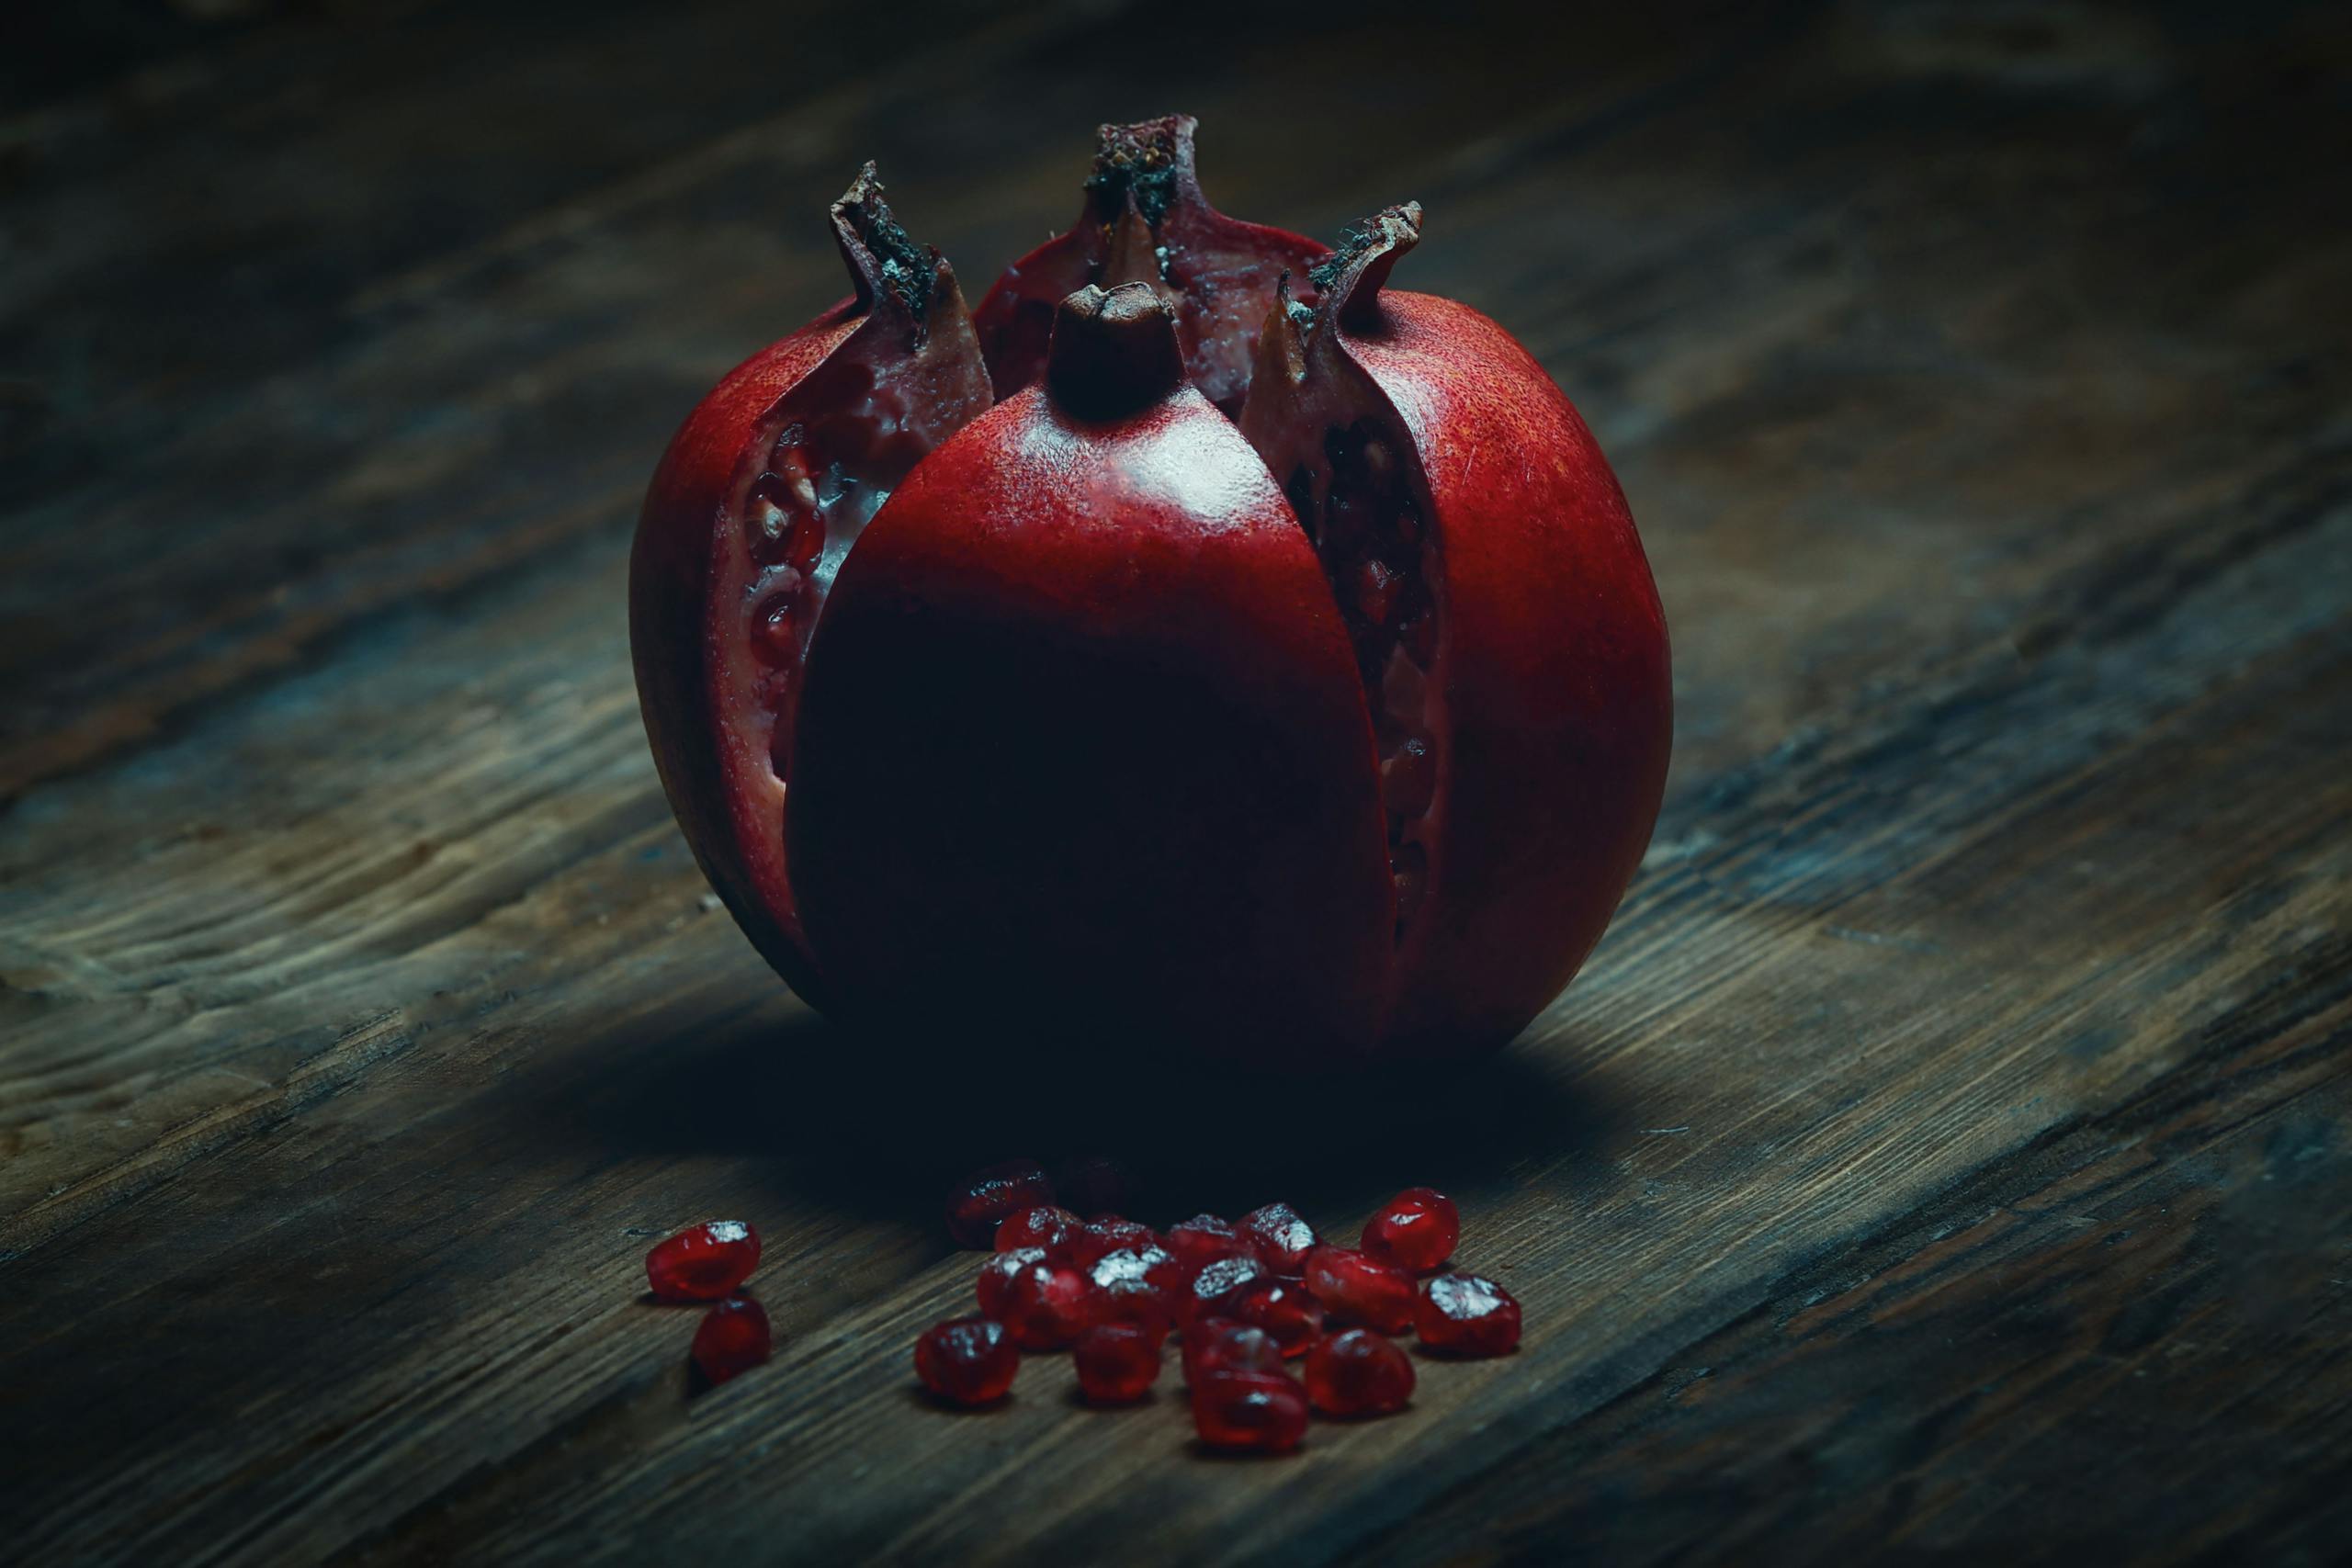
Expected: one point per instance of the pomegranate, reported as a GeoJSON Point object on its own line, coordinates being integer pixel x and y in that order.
{"type": "Point", "coordinates": [1274, 668]}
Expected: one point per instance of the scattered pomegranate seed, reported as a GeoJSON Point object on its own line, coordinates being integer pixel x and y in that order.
{"type": "Point", "coordinates": [1093, 1185]}
{"type": "Point", "coordinates": [1357, 1288]}
{"type": "Point", "coordinates": [1041, 1226]}
{"type": "Point", "coordinates": [1219, 1344]}
{"type": "Point", "coordinates": [1260, 1412]}
{"type": "Point", "coordinates": [1047, 1306]}
{"type": "Point", "coordinates": [1281, 1237]}
{"type": "Point", "coordinates": [1202, 1239]}
{"type": "Point", "coordinates": [1290, 1316]}
{"type": "Point", "coordinates": [1358, 1372]}
{"type": "Point", "coordinates": [1215, 1287]}
{"type": "Point", "coordinates": [976, 1207]}
{"type": "Point", "coordinates": [732, 1339]}
{"type": "Point", "coordinates": [1110, 1234]}
{"type": "Point", "coordinates": [994, 1287]}
{"type": "Point", "coordinates": [967, 1360]}
{"type": "Point", "coordinates": [705, 1263]}
{"type": "Point", "coordinates": [1416, 1229]}
{"type": "Point", "coordinates": [1466, 1314]}
{"type": "Point", "coordinates": [1117, 1363]}
{"type": "Point", "coordinates": [1138, 1287]}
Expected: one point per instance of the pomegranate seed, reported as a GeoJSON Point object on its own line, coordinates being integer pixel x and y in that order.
{"type": "Point", "coordinates": [1358, 1373]}
{"type": "Point", "coordinates": [1219, 1284]}
{"type": "Point", "coordinates": [1260, 1412]}
{"type": "Point", "coordinates": [1095, 1186]}
{"type": "Point", "coordinates": [967, 1360]}
{"type": "Point", "coordinates": [1202, 1239]}
{"type": "Point", "coordinates": [995, 1286]}
{"type": "Point", "coordinates": [1464, 1315]}
{"type": "Point", "coordinates": [1218, 1344]}
{"type": "Point", "coordinates": [1097, 1238]}
{"type": "Point", "coordinates": [1357, 1288]}
{"type": "Point", "coordinates": [1047, 1306]}
{"type": "Point", "coordinates": [1290, 1316]}
{"type": "Point", "coordinates": [1282, 1238]}
{"type": "Point", "coordinates": [1117, 1363]}
{"type": "Point", "coordinates": [1138, 1287]}
{"type": "Point", "coordinates": [1043, 1226]}
{"type": "Point", "coordinates": [704, 1263]}
{"type": "Point", "coordinates": [732, 1339]}
{"type": "Point", "coordinates": [1416, 1229]}
{"type": "Point", "coordinates": [976, 1207]}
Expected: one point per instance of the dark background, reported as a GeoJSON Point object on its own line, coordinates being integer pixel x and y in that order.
{"type": "Point", "coordinates": [1945, 1155]}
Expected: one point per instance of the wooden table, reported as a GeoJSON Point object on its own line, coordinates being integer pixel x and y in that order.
{"type": "Point", "coordinates": [1945, 1154]}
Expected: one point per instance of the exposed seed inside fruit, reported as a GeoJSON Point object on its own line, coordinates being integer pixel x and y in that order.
{"type": "Point", "coordinates": [1358, 1372]}
{"type": "Point", "coordinates": [1043, 1226]}
{"type": "Point", "coordinates": [1291, 1317]}
{"type": "Point", "coordinates": [967, 1360]}
{"type": "Point", "coordinates": [1047, 1306]}
{"type": "Point", "coordinates": [732, 1339]}
{"type": "Point", "coordinates": [1357, 1288]}
{"type": "Point", "coordinates": [995, 1285]}
{"type": "Point", "coordinates": [704, 1263]}
{"type": "Point", "coordinates": [1219, 1344]}
{"type": "Point", "coordinates": [1416, 1229]}
{"type": "Point", "coordinates": [1467, 1314]}
{"type": "Point", "coordinates": [985, 1199]}
{"type": "Point", "coordinates": [1264, 1412]}
{"type": "Point", "coordinates": [1117, 1362]}
{"type": "Point", "coordinates": [1281, 1237]}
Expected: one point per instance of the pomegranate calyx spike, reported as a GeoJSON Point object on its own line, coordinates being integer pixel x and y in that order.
{"type": "Point", "coordinates": [1133, 255]}
{"type": "Point", "coordinates": [1349, 281]}
{"type": "Point", "coordinates": [1144, 168]}
{"type": "Point", "coordinates": [1113, 351]}
{"type": "Point", "coordinates": [889, 271]}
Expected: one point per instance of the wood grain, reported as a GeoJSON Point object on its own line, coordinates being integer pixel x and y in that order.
{"type": "Point", "coordinates": [1945, 1155]}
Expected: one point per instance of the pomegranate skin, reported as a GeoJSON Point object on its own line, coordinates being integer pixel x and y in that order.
{"type": "Point", "coordinates": [1554, 690]}
{"type": "Point", "coordinates": [708, 705]}
{"type": "Point", "coordinates": [1082, 727]}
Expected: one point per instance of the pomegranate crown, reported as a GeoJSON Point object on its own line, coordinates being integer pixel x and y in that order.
{"type": "Point", "coordinates": [1114, 351]}
{"type": "Point", "coordinates": [1143, 167]}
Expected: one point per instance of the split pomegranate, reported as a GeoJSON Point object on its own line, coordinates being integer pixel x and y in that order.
{"type": "Point", "coordinates": [705, 1263]}
{"type": "Point", "coordinates": [1274, 667]}
{"type": "Point", "coordinates": [967, 1361]}
{"type": "Point", "coordinates": [1358, 1373]}
{"type": "Point", "coordinates": [1416, 1229]}
{"type": "Point", "coordinates": [1467, 1314]}
{"type": "Point", "coordinates": [731, 1339]}
{"type": "Point", "coordinates": [1356, 1287]}
{"type": "Point", "coordinates": [1117, 1363]}
{"type": "Point", "coordinates": [1264, 1412]}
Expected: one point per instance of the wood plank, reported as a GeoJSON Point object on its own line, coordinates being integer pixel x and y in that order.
{"type": "Point", "coordinates": [363, 1015]}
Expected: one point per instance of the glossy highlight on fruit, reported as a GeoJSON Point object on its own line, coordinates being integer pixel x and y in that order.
{"type": "Point", "coordinates": [1202, 634]}
{"type": "Point", "coordinates": [967, 1360]}
{"type": "Point", "coordinates": [1356, 1287]}
{"type": "Point", "coordinates": [1358, 1372]}
{"type": "Point", "coordinates": [1281, 1236]}
{"type": "Point", "coordinates": [703, 1263]}
{"type": "Point", "coordinates": [1467, 1314]}
{"type": "Point", "coordinates": [1416, 1229]}
{"type": "Point", "coordinates": [731, 1339]}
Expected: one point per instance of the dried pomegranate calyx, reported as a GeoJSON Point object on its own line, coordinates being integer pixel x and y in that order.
{"type": "Point", "coordinates": [1351, 277]}
{"type": "Point", "coordinates": [884, 263]}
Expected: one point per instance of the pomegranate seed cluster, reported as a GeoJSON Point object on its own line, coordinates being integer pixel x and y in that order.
{"type": "Point", "coordinates": [709, 1262]}
{"type": "Point", "coordinates": [1247, 1299]}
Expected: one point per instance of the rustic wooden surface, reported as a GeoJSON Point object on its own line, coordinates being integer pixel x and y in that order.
{"type": "Point", "coordinates": [1945, 1154]}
